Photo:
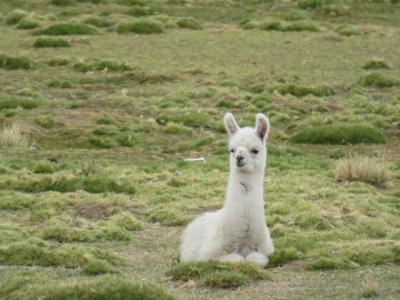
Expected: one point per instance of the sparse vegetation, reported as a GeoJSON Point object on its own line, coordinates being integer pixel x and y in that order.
{"type": "Point", "coordinates": [123, 144]}
{"type": "Point", "coordinates": [140, 27]}
{"type": "Point", "coordinates": [13, 136]}
{"type": "Point", "coordinates": [373, 170]}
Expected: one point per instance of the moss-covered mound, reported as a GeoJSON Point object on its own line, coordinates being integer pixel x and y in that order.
{"type": "Point", "coordinates": [339, 134]}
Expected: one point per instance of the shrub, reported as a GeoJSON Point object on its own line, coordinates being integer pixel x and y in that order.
{"type": "Point", "coordinates": [13, 136]}
{"type": "Point", "coordinates": [372, 170]}
{"type": "Point", "coordinates": [69, 29]}
{"type": "Point", "coordinates": [28, 24]}
{"type": "Point", "coordinates": [189, 23]}
{"type": "Point", "coordinates": [15, 16]}
{"type": "Point", "coordinates": [378, 80]}
{"type": "Point", "coordinates": [51, 42]}
{"type": "Point", "coordinates": [339, 134]}
{"type": "Point", "coordinates": [376, 64]}
{"type": "Point", "coordinates": [140, 27]}
{"type": "Point", "coordinates": [98, 266]}
{"type": "Point", "coordinates": [15, 62]}
{"type": "Point", "coordinates": [300, 90]}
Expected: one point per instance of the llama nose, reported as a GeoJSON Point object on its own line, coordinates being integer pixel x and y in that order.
{"type": "Point", "coordinates": [239, 158]}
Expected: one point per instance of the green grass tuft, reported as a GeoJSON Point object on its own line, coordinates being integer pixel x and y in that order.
{"type": "Point", "coordinates": [376, 64]}
{"type": "Point", "coordinates": [98, 266]}
{"type": "Point", "coordinates": [378, 80]}
{"type": "Point", "coordinates": [128, 221]}
{"type": "Point", "coordinates": [103, 65]}
{"type": "Point", "coordinates": [16, 103]}
{"type": "Point", "coordinates": [69, 29]}
{"type": "Point", "coordinates": [63, 2]}
{"type": "Point", "coordinates": [301, 91]}
{"type": "Point", "coordinates": [15, 62]}
{"type": "Point", "coordinates": [28, 24]}
{"type": "Point", "coordinates": [168, 217]}
{"type": "Point", "coordinates": [347, 30]}
{"type": "Point", "coordinates": [331, 264]}
{"type": "Point", "coordinates": [15, 16]}
{"type": "Point", "coordinates": [224, 279]}
{"type": "Point", "coordinates": [140, 27]}
{"type": "Point", "coordinates": [338, 134]}
{"type": "Point", "coordinates": [30, 286]}
{"type": "Point", "coordinates": [100, 22]}
{"type": "Point", "coordinates": [51, 43]}
{"type": "Point", "coordinates": [189, 23]}
{"type": "Point", "coordinates": [217, 274]}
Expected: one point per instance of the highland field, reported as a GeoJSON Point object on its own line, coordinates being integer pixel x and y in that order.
{"type": "Point", "coordinates": [101, 102]}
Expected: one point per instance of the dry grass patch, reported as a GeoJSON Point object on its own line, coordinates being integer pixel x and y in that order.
{"type": "Point", "coordinates": [368, 169]}
{"type": "Point", "coordinates": [13, 136]}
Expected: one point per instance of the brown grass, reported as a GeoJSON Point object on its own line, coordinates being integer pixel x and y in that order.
{"type": "Point", "coordinates": [13, 136]}
{"type": "Point", "coordinates": [369, 169]}
{"type": "Point", "coordinates": [370, 289]}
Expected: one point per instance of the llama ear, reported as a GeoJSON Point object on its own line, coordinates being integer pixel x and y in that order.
{"type": "Point", "coordinates": [230, 124]}
{"type": "Point", "coordinates": [262, 126]}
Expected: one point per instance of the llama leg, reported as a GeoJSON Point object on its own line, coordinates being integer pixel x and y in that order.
{"type": "Point", "coordinates": [258, 258]}
{"type": "Point", "coordinates": [233, 257]}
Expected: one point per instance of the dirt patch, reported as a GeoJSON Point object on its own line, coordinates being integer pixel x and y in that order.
{"type": "Point", "coordinates": [92, 211]}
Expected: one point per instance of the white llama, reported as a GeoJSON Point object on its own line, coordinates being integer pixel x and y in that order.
{"type": "Point", "coordinates": [237, 231]}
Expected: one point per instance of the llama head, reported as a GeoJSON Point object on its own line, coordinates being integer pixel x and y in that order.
{"type": "Point", "coordinates": [247, 145]}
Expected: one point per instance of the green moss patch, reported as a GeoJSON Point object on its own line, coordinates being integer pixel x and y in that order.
{"type": "Point", "coordinates": [376, 64]}
{"type": "Point", "coordinates": [301, 91]}
{"type": "Point", "coordinates": [69, 29]}
{"type": "Point", "coordinates": [36, 252]}
{"type": "Point", "coordinates": [15, 103]}
{"type": "Point", "coordinates": [98, 266]}
{"type": "Point", "coordinates": [28, 24]}
{"type": "Point", "coordinates": [30, 286]}
{"type": "Point", "coordinates": [91, 184]}
{"type": "Point", "coordinates": [337, 134]}
{"type": "Point", "coordinates": [217, 274]}
{"type": "Point", "coordinates": [15, 16]}
{"type": "Point", "coordinates": [189, 23]}
{"type": "Point", "coordinates": [103, 65]}
{"type": "Point", "coordinates": [378, 80]}
{"type": "Point", "coordinates": [15, 62]}
{"type": "Point", "coordinates": [51, 43]}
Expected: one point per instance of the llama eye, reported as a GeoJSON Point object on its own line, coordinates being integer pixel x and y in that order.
{"type": "Point", "coordinates": [254, 151]}
{"type": "Point", "coordinates": [232, 151]}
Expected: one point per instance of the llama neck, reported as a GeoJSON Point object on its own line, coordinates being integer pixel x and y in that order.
{"type": "Point", "coordinates": [245, 189]}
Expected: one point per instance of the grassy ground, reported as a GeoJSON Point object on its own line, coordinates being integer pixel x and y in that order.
{"type": "Point", "coordinates": [94, 189]}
